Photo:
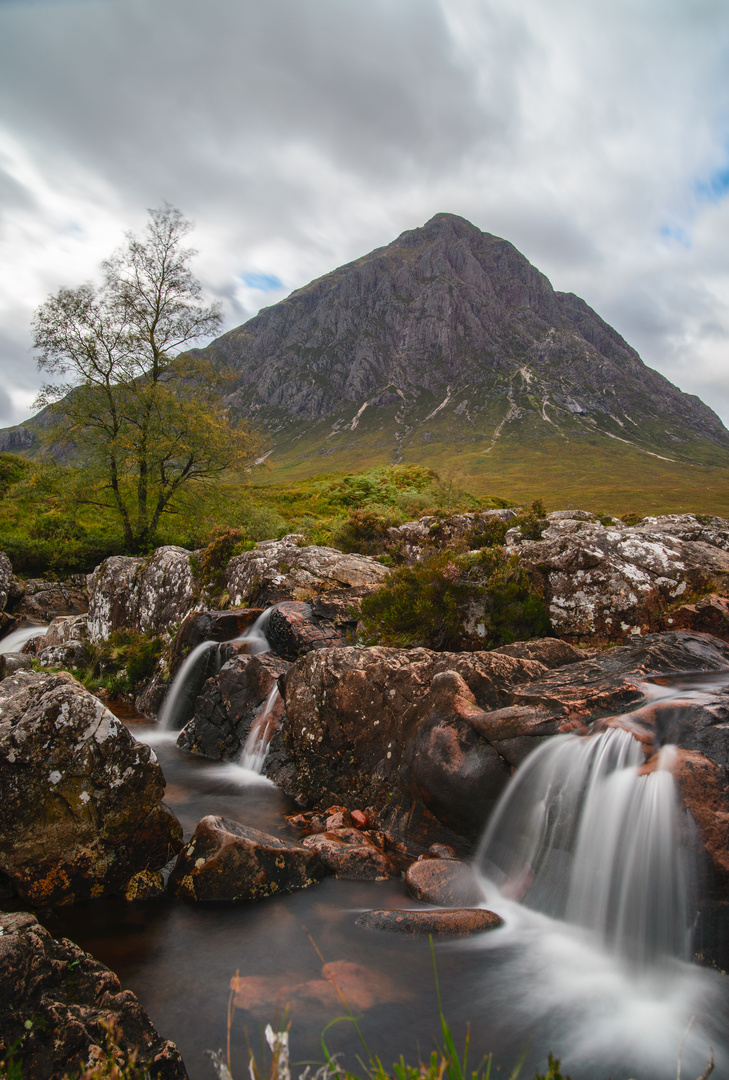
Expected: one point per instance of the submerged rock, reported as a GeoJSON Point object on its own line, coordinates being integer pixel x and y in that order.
{"type": "Point", "coordinates": [361, 987]}
{"type": "Point", "coordinates": [278, 570]}
{"type": "Point", "coordinates": [81, 810]}
{"type": "Point", "coordinates": [58, 1004]}
{"type": "Point", "coordinates": [456, 922]}
{"type": "Point", "coordinates": [225, 860]}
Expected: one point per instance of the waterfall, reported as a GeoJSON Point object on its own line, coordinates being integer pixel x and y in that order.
{"type": "Point", "coordinates": [185, 688]}
{"type": "Point", "coordinates": [583, 834]}
{"type": "Point", "coordinates": [16, 639]}
{"type": "Point", "coordinates": [179, 702]}
{"type": "Point", "coordinates": [259, 738]}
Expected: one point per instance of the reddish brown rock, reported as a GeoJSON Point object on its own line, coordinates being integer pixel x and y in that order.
{"type": "Point", "coordinates": [294, 629]}
{"type": "Point", "coordinates": [710, 615]}
{"type": "Point", "coordinates": [201, 626]}
{"type": "Point", "coordinates": [458, 922]}
{"type": "Point", "coordinates": [445, 882]}
{"type": "Point", "coordinates": [225, 860]}
{"type": "Point", "coordinates": [81, 809]}
{"type": "Point", "coordinates": [361, 987]}
{"type": "Point", "coordinates": [57, 1004]}
{"type": "Point", "coordinates": [704, 788]}
{"type": "Point", "coordinates": [45, 600]}
{"type": "Point", "coordinates": [351, 856]}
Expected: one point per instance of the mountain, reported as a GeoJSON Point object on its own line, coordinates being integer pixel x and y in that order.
{"type": "Point", "coordinates": [448, 348]}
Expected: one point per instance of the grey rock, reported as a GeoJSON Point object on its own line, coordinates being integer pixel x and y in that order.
{"type": "Point", "coordinates": [6, 578]}
{"type": "Point", "coordinates": [153, 594]}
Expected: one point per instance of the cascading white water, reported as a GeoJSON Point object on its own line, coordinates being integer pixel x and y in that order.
{"type": "Point", "coordinates": [179, 690]}
{"type": "Point", "coordinates": [581, 834]}
{"type": "Point", "coordinates": [255, 636]}
{"type": "Point", "coordinates": [16, 639]}
{"type": "Point", "coordinates": [255, 749]}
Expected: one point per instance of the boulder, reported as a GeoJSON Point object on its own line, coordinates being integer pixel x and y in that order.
{"type": "Point", "coordinates": [294, 629]}
{"type": "Point", "coordinates": [64, 628]}
{"type": "Point", "coordinates": [6, 578]}
{"type": "Point", "coordinates": [230, 702]}
{"type": "Point", "coordinates": [354, 857]}
{"type": "Point", "coordinates": [225, 860]}
{"type": "Point", "coordinates": [413, 538]}
{"type": "Point", "coordinates": [12, 662]}
{"type": "Point", "coordinates": [278, 570]}
{"type": "Point", "coordinates": [457, 922]}
{"type": "Point", "coordinates": [44, 600]}
{"type": "Point", "coordinates": [430, 739]}
{"type": "Point", "coordinates": [602, 583]}
{"type": "Point", "coordinates": [71, 654]}
{"type": "Point", "coordinates": [153, 594]}
{"type": "Point", "coordinates": [81, 810]}
{"type": "Point", "coordinates": [709, 615]}
{"type": "Point", "coordinates": [445, 882]}
{"type": "Point", "coordinates": [57, 1005]}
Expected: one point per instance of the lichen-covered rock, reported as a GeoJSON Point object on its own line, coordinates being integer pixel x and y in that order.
{"type": "Point", "coordinates": [81, 809]}
{"type": "Point", "coordinates": [152, 594]}
{"type": "Point", "coordinates": [225, 860]}
{"type": "Point", "coordinates": [71, 654]}
{"type": "Point", "coordinates": [58, 1004]}
{"type": "Point", "coordinates": [231, 701]}
{"type": "Point", "coordinates": [65, 628]}
{"type": "Point", "coordinates": [282, 570]}
{"type": "Point", "coordinates": [414, 537]}
{"type": "Point", "coordinates": [602, 583]}
{"type": "Point", "coordinates": [6, 578]}
{"type": "Point", "coordinates": [11, 662]}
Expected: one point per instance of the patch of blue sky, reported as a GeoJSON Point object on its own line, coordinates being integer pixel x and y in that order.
{"type": "Point", "coordinates": [715, 188]}
{"type": "Point", "coordinates": [675, 232]}
{"type": "Point", "coordinates": [262, 282]}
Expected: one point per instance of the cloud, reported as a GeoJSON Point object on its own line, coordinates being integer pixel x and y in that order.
{"type": "Point", "coordinates": [299, 136]}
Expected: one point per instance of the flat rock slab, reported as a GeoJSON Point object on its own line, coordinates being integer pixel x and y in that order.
{"type": "Point", "coordinates": [56, 1003]}
{"type": "Point", "coordinates": [225, 860]}
{"type": "Point", "coordinates": [459, 922]}
{"type": "Point", "coordinates": [446, 882]}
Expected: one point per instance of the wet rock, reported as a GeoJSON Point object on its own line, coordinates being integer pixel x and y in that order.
{"type": "Point", "coordinates": [353, 714]}
{"type": "Point", "coordinates": [603, 583]}
{"type": "Point", "coordinates": [12, 662]}
{"type": "Point", "coordinates": [81, 809]}
{"type": "Point", "coordinates": [44, 600]}
{"type": "Point", "coordinates": [551, 652]}
{"type": "Point", "coordinates": [153, 594]}
{"type": "Point", "coordinates": [458, 922]}
{"type": "Point", "coordinates": [704, 788]}
{"type": "Point", "coordinates": [294, 629]}
{"type": "Point", "coordinates": [225, 860]}
{"type": "Point", "coordinates": [430, 739]}
{"type": "Point", "coordinates": [352, 857]}
{"type": "Point", "coordinates": [278, 570]}
{"type": "Point", "coordinates": [6, 577]}
{"type": "Point", "coordinates": [57, 1004]}
{"type": "Point", "coordinates": [361, 987]}
{"type": "Point", "coordinates": [710, 615]}
{"type": "Point", "coordinates": [445, 882]}
{"type": "Point", "coordinates": [201, 626]}
{"type": "Point", "coordinates": [231, 701]}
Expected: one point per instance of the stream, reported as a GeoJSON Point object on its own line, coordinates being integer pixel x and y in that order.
{"type": "Point", "coordinates": [535, 985]}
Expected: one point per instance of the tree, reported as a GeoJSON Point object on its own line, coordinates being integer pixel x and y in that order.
{"type": "Point", "coordinates": [147, 420]}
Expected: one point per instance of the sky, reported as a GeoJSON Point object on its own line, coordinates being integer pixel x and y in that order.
{"type": "Point", "coordinates": [301, 134]}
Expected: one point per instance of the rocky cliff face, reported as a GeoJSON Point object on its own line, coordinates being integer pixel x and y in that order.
{"type": "Point", "coordinates": [451, 314]}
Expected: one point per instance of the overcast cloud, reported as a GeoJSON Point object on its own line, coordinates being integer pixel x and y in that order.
{"type": "Point", "coordinates": [299, 134]}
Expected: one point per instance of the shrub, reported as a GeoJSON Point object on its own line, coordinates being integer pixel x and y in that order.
{"type": "Point", "coordinates": [532, 520]}
{"type": "Point", "coordinates": [365, 531]}
{"type": "Point", "coordinates": [209, 565]}
{"type": "Point", "coordinates": [425, 604]}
